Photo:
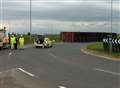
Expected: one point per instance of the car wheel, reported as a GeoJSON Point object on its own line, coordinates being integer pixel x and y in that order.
{"type": "Point", "coordinates": [36, 46]}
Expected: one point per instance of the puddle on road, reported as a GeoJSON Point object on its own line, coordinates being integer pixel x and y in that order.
{"type": "Point", "coordinates": [8, 79]}
{"type": "Point", "coordinates": [16, 78]}
{"type": "Point", "coordinates": [7, 82]}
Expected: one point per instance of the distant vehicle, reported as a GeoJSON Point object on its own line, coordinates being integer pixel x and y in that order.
{"type": "Point", "coordinates": [42, 42]}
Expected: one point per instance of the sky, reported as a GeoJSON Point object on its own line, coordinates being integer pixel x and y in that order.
{"type": "Point", "coordinates": [50, 16]}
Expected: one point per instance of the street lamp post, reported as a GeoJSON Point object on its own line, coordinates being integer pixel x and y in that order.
{"type": "Point", "coordinates": [30, 19]}
{"type": "Point", "coordinates": [110, 50]}
{"type": "Point", "coordinates": [1, 12]}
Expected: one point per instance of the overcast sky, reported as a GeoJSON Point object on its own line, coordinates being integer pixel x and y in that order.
{"type": "Point", "coordinates": [59, 10]}
{"type": "Point", "coordinates": [70, 10]}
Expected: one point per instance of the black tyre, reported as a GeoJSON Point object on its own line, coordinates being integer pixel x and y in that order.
{"type": "Point", "coordinates": [36, 46]}
{"type": "Point", "coordinates": [51, 46]}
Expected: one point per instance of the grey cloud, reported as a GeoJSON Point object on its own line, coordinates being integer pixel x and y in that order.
{"type": "Point", "coordinates": [70, 13]}
{"type": "Point", "coordinates": [19, 9]}
{"type": "Point", "coordinates": [84, 13]}
{"type": "Point", "coordinates": [58, 11]}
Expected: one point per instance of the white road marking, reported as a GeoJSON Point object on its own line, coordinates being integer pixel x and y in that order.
{"type": "Point", "coordinates": [10, 53]}
{"type": "Point", "coordinates": [53, 55]}
{"type": "Point", "coordinates": [62, 87]}
{"type": "Point", "coordinates": [26, 72]}
{"type": "Point", "coordinates": [107, 71]}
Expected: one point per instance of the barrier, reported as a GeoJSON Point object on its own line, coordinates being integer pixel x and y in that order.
{"type": "Point", "coordinates": [115, 44]}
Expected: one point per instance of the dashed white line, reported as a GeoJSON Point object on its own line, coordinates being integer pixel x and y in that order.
{"type": "Point", "coordinates": [62, 87]}
{"type": "Point", "coordinates": [10, 53]}
{"type": "Point", "coordinates": [53, 55]}
{"type": "Point", "coordinates": [107, 71]}
{"type": "Point", "coordinates": [26, 72]}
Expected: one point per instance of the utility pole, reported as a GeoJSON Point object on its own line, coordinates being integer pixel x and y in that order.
{"type": "Point", "coordinates": [110, 50]}
{"type": "Point", "coordinates": [30, 19]}
{"type": "Point", "coordinates": [1, 12]}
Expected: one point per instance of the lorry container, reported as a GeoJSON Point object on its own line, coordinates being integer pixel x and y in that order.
{"type": "Point", "coordinates": [84, 36]}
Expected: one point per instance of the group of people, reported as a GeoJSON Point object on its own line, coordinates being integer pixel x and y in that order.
{"type": "Point", "coordinates": [15, 41]}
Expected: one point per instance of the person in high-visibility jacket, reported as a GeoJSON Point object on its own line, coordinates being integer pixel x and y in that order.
{"type": "Point", "coordinates": [21, 42]}
{"type": "Point", "coordinates": [13, 41]}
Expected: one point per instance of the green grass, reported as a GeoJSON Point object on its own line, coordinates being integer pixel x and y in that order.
{"type": "Point", "coordinates": [117, 55]}
{"type": "Point", "coordinates": [98, 48]}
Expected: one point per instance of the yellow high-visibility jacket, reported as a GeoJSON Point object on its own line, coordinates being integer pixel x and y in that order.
{"type": "Point", "coordinates": [21, 42]}
{"type": "Point", "coordinates": [13, 40]}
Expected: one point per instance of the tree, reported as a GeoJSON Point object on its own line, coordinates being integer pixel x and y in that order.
{"type": "Point", "coordinates": [28, 33]}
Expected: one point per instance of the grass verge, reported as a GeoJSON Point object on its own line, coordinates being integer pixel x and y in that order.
{"type": "Point", "coordinates": [97, 48]}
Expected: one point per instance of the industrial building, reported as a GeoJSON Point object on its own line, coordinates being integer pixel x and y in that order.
{"type": "Point", "coordinates": [84, 36]}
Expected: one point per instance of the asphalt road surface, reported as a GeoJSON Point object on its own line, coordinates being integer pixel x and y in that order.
{"type": "Point", "coordinates": [63, 66]}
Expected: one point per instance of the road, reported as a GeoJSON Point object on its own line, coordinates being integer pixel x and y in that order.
{"type": "Point", "coordinates": [63, 65]}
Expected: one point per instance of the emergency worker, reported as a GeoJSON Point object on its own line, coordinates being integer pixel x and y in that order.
{"type": "Point", "coordinates": [21, 42]}
{"type": "Point", "coordinates": [16, 41]}
{"type": "Point", "coordinates": [12, 39]}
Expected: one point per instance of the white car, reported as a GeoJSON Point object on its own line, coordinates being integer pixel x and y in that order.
{"type": "Point", "coordinates": [42, 42]}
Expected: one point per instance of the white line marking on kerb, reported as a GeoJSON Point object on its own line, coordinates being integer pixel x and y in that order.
{"type": "Point", "coordinates": [107, 71]}
{"type": "Point", "coordinates": [26, 72]}
{"type": "Point", "coordinates": [62, 87]}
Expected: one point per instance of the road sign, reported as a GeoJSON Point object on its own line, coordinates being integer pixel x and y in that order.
{"type": "Point", "coordinates": [115, 44]}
